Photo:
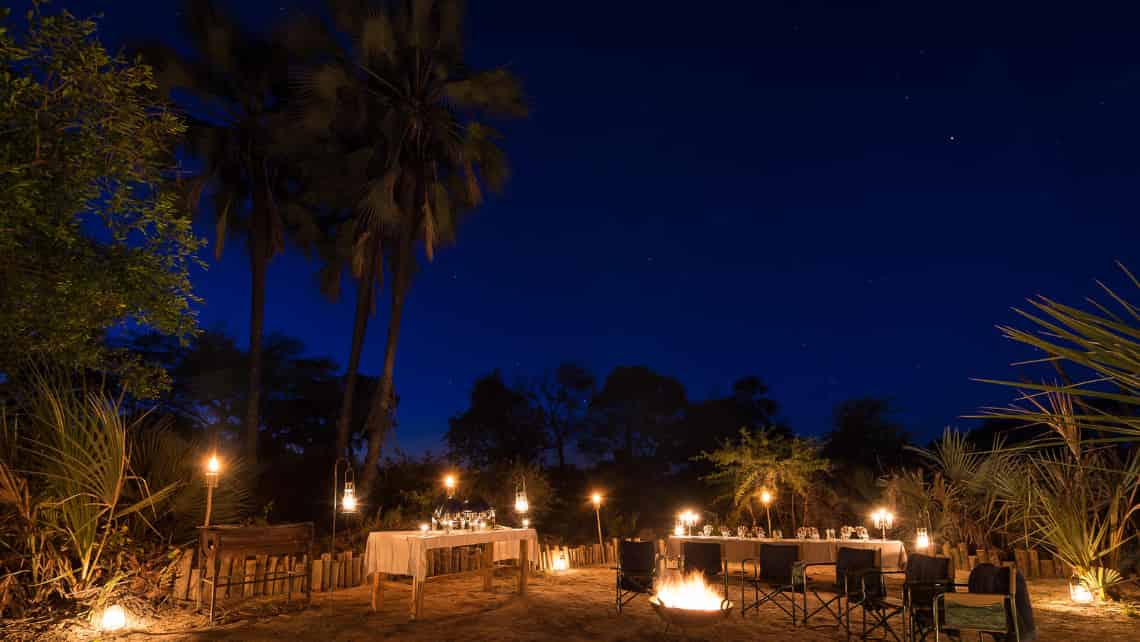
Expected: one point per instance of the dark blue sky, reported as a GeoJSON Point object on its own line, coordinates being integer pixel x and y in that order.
{"type": "Point", "coordinates": [842, 201]}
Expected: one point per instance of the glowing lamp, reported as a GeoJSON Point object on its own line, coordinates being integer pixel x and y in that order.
{"type": "Point", "coordinates": [765, 497]}
{"type": "Point", "coordinates": [922, 540]}
{"type": "Point", "coordinates": [679, 530]}
{"type": "Point", "coordinates": [113, 619]}
{"type": "Point", "coordinates": [348, 501]}
{"type": "Point", "coordinates": [213, 469]}
{"type": "Point", "coordinates": [449, 482]}
{"type": "Point", "coordinates": [883, 520]}
{"type": "Point", "coordinates": [596, 498]}
{"type": "Point", "coordinates": [559, 563]}
{"type": "Point", "coordinates": [526, 523]}
{"type": "Point", "coordinates": [1078, 592]}
{"type": "Point", "coordinates": [423, 528]}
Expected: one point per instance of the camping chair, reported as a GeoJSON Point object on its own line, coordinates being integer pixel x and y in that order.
{"type": "Point", "coordinates": [925, 577]}
{"type": "Point", "coordinates": [636, 570]}
{"type": "Point", "coordinates": [989, 612]}
{"type": "Point", "coordinates": [848, 591]}
{"type": "Point", "coordinates": [704, 558]}
{"type": "Point", "coordinates": [771, 578]}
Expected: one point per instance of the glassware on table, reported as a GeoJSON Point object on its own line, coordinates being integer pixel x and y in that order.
{"type": "Point", "coordinates": [758, 532]}
{"type": "Point", "coordinates": [742, 531]}
{"type": "Point", "coordinates": [777, 534]}
{"type": "Point", "coordinates": [707, 531]}
{"type": "Point", "coordinates": [725, 531]}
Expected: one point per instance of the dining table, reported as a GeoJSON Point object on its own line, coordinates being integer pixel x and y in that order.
{"type": "Point", "coordinates": [406, 553]}
{"type": "Point", "coordinates": [734, 550]}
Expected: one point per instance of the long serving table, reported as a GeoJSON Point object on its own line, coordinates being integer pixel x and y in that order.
{"type": "Point", "coordinates": [734, 549]}
{"type": "Point", "coordinates": [405, 553]}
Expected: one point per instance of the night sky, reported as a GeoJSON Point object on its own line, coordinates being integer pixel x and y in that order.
{"type": "Point", "coordinates": [842, 201]}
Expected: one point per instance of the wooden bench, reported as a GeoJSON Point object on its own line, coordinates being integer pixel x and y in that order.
{"type": "Point", "coordinates": [240, 542]}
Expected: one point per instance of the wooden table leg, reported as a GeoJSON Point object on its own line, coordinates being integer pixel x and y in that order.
{"type": "Point", "coordinates": [377, 591]}
{"type": "Point", "coordinates": [488, 566]}
{"type": "Point", "coordinates": [417, 598]}
{"type": "Point", "coordinates": [524, 564]}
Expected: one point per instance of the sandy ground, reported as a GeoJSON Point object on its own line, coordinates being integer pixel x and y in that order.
{"type": "Point", "coordinates": [577, 605]}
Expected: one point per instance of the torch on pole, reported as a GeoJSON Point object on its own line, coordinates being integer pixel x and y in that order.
{"type": "Point", "coordinates": [596, 498]}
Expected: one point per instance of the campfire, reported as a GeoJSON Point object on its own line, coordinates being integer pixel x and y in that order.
{"type": "Point", "coordinates": [688, 601]}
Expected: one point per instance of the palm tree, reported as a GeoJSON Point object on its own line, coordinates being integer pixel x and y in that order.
{"type": "Point", "coordinates": [236, 83]}
{"type": "Point", "coordinates": [404, 96]}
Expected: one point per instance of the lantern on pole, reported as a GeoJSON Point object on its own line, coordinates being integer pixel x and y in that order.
{"type": "Point", "coordinates": [596, 499]}
{"type": "Point", "coordinates": [766, 499]}
{"type": "Point", "coordinates": [347, 503]}
{"type": "Point", "coordinates": [213, 472]}
{"type": "Point", "coordinates": [449, 484]}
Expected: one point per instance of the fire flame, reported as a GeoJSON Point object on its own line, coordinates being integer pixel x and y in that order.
{"type": "Point", "coordinates": [689, 592]}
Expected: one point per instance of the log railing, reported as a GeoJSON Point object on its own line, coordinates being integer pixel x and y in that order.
{"type": "Point", "coordinates": [346, 569]}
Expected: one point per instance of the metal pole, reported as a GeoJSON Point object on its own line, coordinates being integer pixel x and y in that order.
{"type": "Point", "coordinates": [768, 511]}
{"type": "Point", "coordinates": [598, 515]}
{"type": "Point", "coordinates": [209, 503]}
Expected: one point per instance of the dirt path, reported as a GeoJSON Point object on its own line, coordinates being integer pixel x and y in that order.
{"type": "Point", "coordinates": [575, 606]}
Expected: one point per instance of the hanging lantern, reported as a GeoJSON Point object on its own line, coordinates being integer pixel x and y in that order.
{"type": "Point", "coordinates": [348, 501]}
{"type": "Point", "coordinates": [522, 505]}
{"type": "Point", "coordinates": [1078, 592]}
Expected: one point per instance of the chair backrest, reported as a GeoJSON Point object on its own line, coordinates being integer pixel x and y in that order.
{"type": "Point", "coordinates": [636, 557]}
{"type": "Point", "coordinates": [849, 562]}
{"type": "Point", "coordinates": [927, 576]}
{"type": "Point", "coordinates": [975, 611]}
{"type": "Point", "coordinates": [986, 606]}
{"type": "Point", "coordinates": [928, 568]}
{"type": "Point", "coordinates": [703, 557]}
{"type": "Point", "coordinates": [776, 562]}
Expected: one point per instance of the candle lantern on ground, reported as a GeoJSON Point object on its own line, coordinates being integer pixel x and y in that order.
{"type": "Point", "coordinates": [213, 471]}
{"type": "Point", "coordinates": [922, 540]}
{"type": "Point", "coordinates": [1079, 593]}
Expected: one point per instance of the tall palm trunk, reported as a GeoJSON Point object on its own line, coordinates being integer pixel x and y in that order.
{"type": "Point", "coordinates": [258, 259]}
{"type": "Point", "coordinates": [380, 413]}
{"type": "Point", "coordinates": [364, 294]}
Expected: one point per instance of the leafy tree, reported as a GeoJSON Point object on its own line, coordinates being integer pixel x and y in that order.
{"type": "Point", "coordinates": [499, 427]}
{"type": "Point", "coordinates": [562, 399]}
{"type": "Point", "coordinates": [412, 110]}
{"type": "Point", "coordinates": [236, 83]}
{"type": "Point", "coordinates": [92, 237]}
{"type": "Point", "coordinates": [708, 423]}
{"type": "Point", "coordinates": [636, 411]}
{"type": "Point", "coordinates": [865, 436]}
{"type": "Point", "coordinates": [765, 460]}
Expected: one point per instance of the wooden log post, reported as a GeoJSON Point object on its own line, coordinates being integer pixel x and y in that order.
{"type": "Point", "coordinates": [489, 566]}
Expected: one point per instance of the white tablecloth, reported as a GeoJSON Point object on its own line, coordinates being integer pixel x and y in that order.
{"type": "Point", "coordinates": [402, 552]}
{"type": "Point", "coordinates": [735, 549]}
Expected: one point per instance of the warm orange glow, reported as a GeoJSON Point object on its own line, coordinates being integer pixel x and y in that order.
{"type": "Point", "coordinates": [113, 619]}
{"type": "Point", "coordinates": [688, 592]}
{"type": "Point", "coordinates": [526, 523]}
{"type": "Point", "coordinates": [765, 497]}
{"type": "Point", "coordinates": [449, 482]}
{"type": "Point", "coordinates": [1079, 593]}
{"type": "Point", "coordinates": [597, 499]}
{"type": "Point", "coordinates": [423, 528]}
{"type": "Point", "coordinates": [678, 530]}
{"type": "Point", "coordinates": [213, 466]}
{"type": "Point", "coordinates": [559, 563]}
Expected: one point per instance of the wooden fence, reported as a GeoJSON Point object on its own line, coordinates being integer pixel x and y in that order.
{"type": "Point", "coordinates": [347, 569]}
{"type": "Point", "coordinates": [1028, 561]}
